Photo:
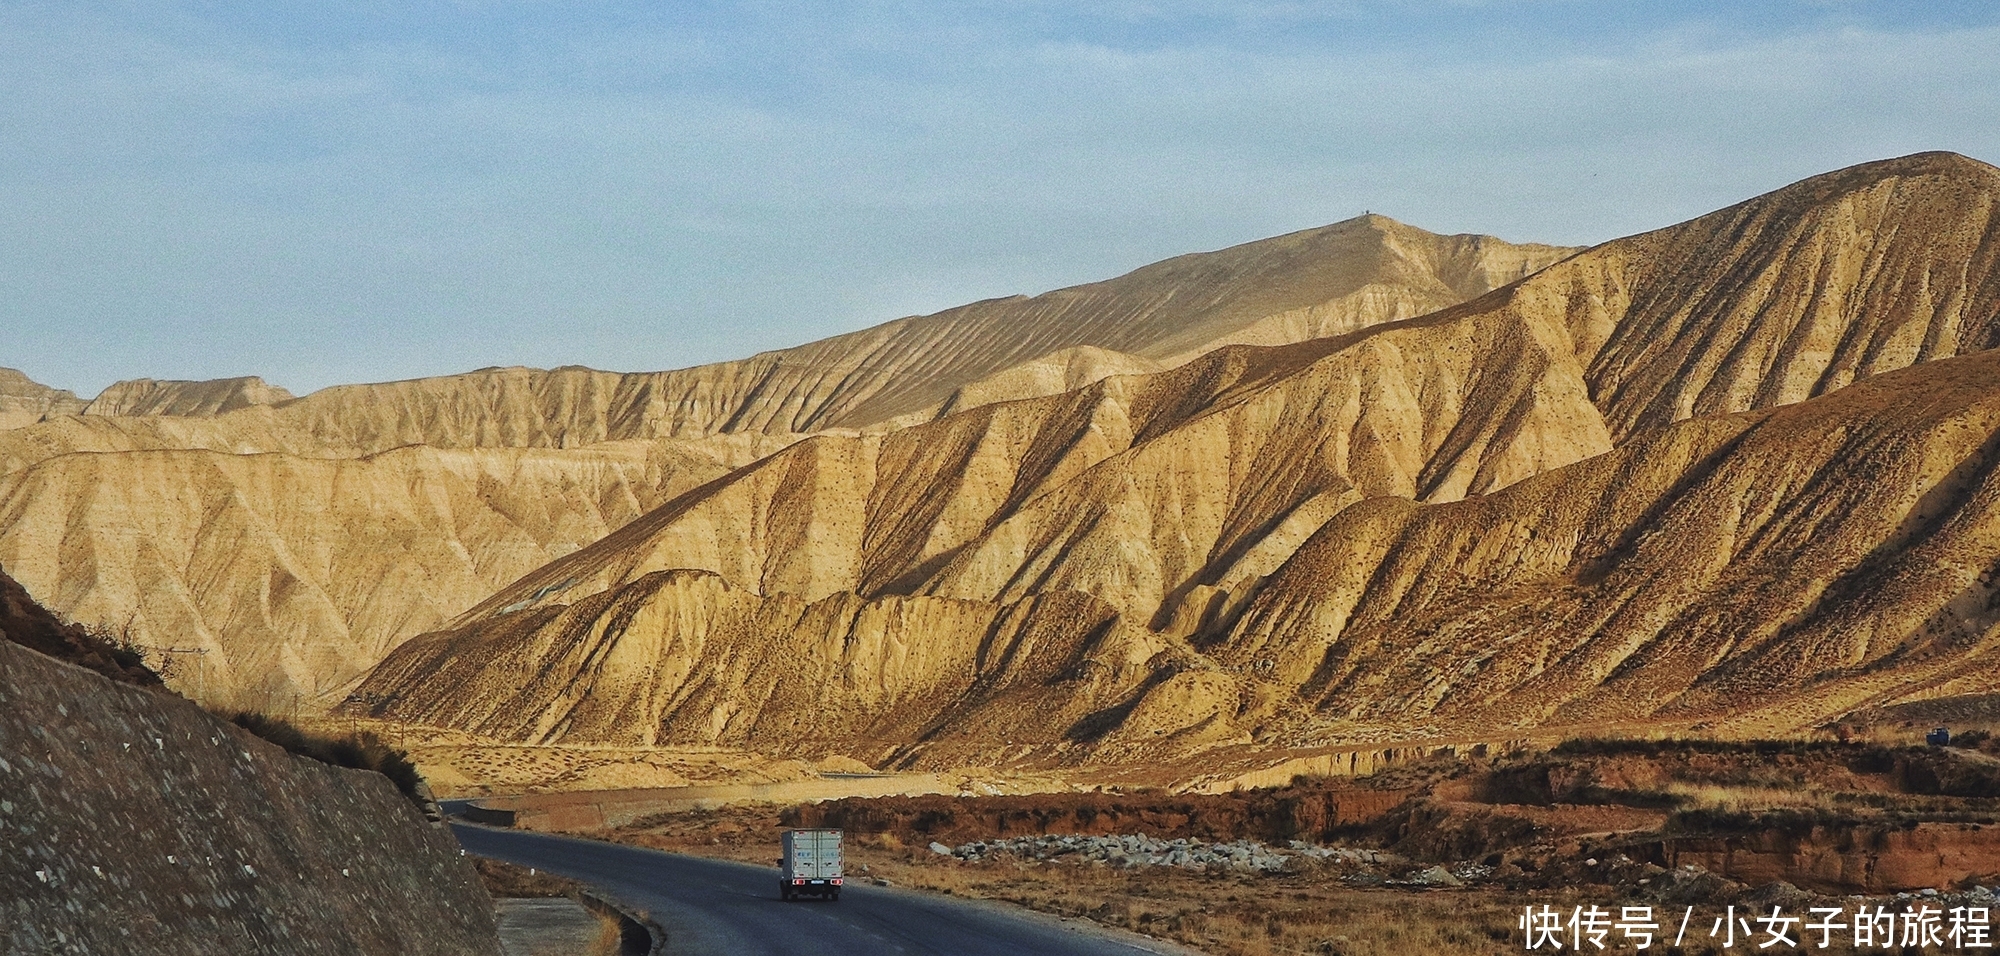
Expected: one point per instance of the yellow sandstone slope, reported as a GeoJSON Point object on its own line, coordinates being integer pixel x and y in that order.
{"type": "Point", "coordinates": [1141, 489]}
{"type": "Point", "coordinates": [1763, 572]}
{"type": "Point", "coordinates": [1125, 489]}
{"type": "Point", "coordinates": [1772, 569]}
{"type": "Point", "coordinates": [291, 575]}
{"type": "Point", "coordinates": [1169, 499]}
{"type": "Point", "coordinates": [321, 536]}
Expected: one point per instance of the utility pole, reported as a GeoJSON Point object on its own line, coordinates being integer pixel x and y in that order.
{"type": "Point", "coordinates": [200, 666]}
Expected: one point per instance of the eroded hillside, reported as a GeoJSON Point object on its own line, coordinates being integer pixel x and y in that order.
{"type": "Point", "coordinates": [1143, 490]}
{"type": "Point", "coordinates": [1768, 570]}
{"type": "Point", "coordinates": [1333, 279]}
{"type": "Point", "coordinates": [1786, 296]}
{"type": "Point", "coordinates": [1349, 275]}
{"type": "Point", "coordinates": [1134, 489]}
{"type": "Point", "coordinates": [275, 578]}
{"type": "Point", "coordinates": [1179, 501]}
{"type": "Point", "coordinates": [273, 546]}
{"type": "Point", "coordinates": [1765, 571]}
{"type": "Point", "coordinates": [145, 396]}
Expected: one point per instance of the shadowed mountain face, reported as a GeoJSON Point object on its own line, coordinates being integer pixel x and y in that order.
{"type": "Point", "coordinates": [287, 544]}
{"type": "Point", "coordinates": [1206, 519]}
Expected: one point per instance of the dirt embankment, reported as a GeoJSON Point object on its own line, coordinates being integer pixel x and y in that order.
{"type": "Point", "coordinates": [134, 822]}
{"type": "Point", "coordinates": [1857, 858]}
{"type": "Point", "coordinates": [1829, 817]}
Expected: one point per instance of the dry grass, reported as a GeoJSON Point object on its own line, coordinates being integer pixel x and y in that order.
{"type": "Point", "coordinates": [509, 880]}
{"type": "Point", "coordinates": [610, 940]}
{"type": "Point", "coordinates": [1737, 799]}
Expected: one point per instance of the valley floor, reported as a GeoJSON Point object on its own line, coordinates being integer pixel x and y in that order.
{"type": "Point", "coordinates": [1446, 856]}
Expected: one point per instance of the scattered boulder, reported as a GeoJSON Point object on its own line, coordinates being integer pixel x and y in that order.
{"type": "Point", "coordinates": [1435, 876]}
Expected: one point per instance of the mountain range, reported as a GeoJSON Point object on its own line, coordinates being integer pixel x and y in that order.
{"type": "Point", "coordinates": [271, 548]}
{"type": "Point", "coordinates": [1672, 478]}
{"type": "Point", "coordinates": [1352, 484]}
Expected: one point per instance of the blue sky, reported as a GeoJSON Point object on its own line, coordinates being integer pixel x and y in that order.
{"type": "Point", "coordinates": [349, 191]}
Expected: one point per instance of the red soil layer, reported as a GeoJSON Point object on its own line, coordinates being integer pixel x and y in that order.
{"type": "Point", "coordinates": [1290, 813]}
{"type": "Point", "coordinates": [1847, 859]}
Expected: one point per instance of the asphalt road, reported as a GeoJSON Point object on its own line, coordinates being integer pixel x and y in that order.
{"type": "Point", "coordinates": [716, 907]}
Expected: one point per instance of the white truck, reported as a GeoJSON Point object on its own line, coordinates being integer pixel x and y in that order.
{"type": "Point", "coordinates": [811, 865]}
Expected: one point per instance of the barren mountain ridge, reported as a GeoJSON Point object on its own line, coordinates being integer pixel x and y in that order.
{"type": "Point", "coordinates": [1169, 561]}
{"type": "Point", "coordinates": [270, 548]}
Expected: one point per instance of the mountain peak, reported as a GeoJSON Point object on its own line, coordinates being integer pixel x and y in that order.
{"type": "Point", "coordinates": [145, 396]}
{"type": "Point", "coordinates": [24, 401]}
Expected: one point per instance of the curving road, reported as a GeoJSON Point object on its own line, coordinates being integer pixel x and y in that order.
{"type": "Point", "coordinates": [717, 907]}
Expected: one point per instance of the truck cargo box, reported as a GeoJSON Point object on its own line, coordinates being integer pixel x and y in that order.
{"type": "Point", "coordinates": [811, 864]}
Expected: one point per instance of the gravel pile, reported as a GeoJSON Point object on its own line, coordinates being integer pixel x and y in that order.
{"type": "Point", "coordinates": [1978, 896]}
{"type": "Point", "coordinates": [1139, 850]}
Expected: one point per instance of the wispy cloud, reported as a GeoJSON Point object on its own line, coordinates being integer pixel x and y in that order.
{"type": "Point", "coordinates": [381, 192]}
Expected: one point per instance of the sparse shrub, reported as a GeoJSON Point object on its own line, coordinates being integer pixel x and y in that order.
{"type": "Point", "coordinates": [1626, 746]}
{"type": "Point", "coordinates": [102, 649]}
{"type": "Point", "coordinates": [1705, 821]}
{"type": "Point", "coordinates": [362, 751]}
{"type": "Point", "coordinates": [509, 880]}
{"type": "Point", "coordinates": [123, 649]}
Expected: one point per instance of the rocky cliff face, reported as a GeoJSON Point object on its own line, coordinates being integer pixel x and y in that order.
{"type": "Point", "coordinates": [1209, 513]}
{"type": "Point", "coordinates": [136, 823]}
